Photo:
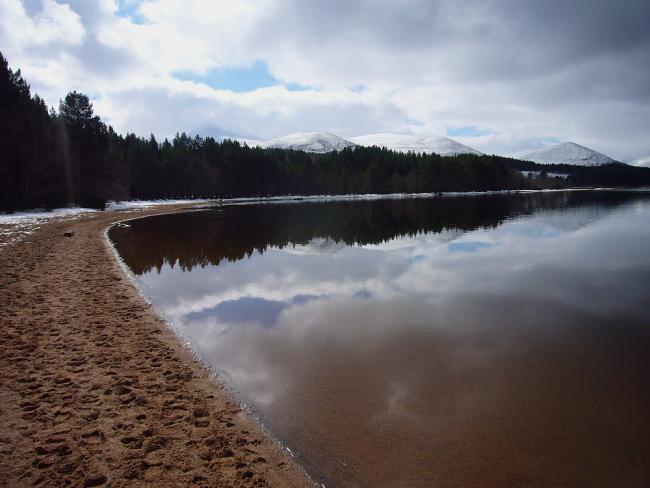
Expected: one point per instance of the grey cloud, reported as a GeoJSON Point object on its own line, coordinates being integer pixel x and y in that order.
{"type": "Point", "coordinates": [100, 59]}
{"type": "Point", "coordinates": [498, 39]}
{"type": "Point", "coordinates": [527, 70]}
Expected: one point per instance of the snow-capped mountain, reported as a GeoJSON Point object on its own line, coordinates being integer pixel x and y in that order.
{"type": "Point", "coordinates": [413, 143]}
{"type": "Point", "coordinates": [242, 140]}
{"type": "Point", "coordinates": [568, 153]}
{"type": "Point", "coordinates": [315, 142]}
{"type": "Point", "coordinates": [643, 162]}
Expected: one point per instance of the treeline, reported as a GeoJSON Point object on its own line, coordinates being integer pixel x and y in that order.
{"type": "Point", "coordinates": [52, 158]}
{"type": "Point", "coordinates": [609, 175]}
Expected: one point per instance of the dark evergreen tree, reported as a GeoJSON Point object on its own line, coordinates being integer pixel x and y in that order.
{"type": "Point", "coordinates": [94, 154]}
{"type": "Point", "coordinates": [30, 172]}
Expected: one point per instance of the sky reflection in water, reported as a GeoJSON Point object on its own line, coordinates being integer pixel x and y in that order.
{"type": "Point", "coordinates": [468, 340]}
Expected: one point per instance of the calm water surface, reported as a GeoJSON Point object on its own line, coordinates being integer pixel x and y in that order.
{"type": "Point", "coordinates": [468, 341]}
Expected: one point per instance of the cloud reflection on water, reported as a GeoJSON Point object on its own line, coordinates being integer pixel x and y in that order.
{"type": "Point", "coordinates": [508, 337]}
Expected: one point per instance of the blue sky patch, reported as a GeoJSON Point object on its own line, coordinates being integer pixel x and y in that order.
{"type": "Point", "coordinates": [238, 79]}
{"type": "Point", "coordinates": [129, 9]}
{"type": "Point", "coordinates": [467, 131]}
{"type": "Point", "coordinates": [234, 79]}
{"type": "Point", "coordinates": [296, 87]}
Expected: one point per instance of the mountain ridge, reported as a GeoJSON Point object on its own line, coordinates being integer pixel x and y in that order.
{"type": "Point", "coordinates": [322, 142]}
{"type": "Point", "coordinates": [568, 153]}
{"type": "Point", "coordinates": [443, 146]}
{"type": "Point", "coordinates": [315, 142]}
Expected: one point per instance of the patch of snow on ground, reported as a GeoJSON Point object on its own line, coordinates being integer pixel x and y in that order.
{"type": "Point", "coordinates": [143, 204]}
{"type": "Point", "coordinates": [16, 226]}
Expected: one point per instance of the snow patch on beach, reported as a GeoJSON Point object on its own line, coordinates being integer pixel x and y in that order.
{"type": "Point", "coordinates": [30, 216]}
{"type": "Point", "coordinates": [16, 226]}
{"type": "Point", "coordinates": [144, 204]}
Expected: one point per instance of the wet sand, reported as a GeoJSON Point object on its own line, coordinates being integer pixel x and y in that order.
{"type": "Point", "coordinates": [96, 390]}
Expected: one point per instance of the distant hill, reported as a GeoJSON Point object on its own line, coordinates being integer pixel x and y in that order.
{"type": "Point", "coordinates": [414, 143]}
{"type": "Point", "coordinates": [642, 162]}
{"type": "Point", "coordinates": [314, 142]}
{"type": "Point", "coordinates": [568, 153]}
{"type": "Point", "coordinates": [323, 142]}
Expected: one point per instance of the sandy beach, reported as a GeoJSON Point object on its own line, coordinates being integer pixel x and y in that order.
{"type": "Point", "coordinates": [96, 390]}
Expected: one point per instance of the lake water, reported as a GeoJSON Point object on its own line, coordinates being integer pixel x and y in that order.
{"type": "Point", "coordinates": [451, 341]}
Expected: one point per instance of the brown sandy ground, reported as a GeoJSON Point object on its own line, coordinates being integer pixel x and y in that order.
{"type": "Point", "coordinates": [96, 390]}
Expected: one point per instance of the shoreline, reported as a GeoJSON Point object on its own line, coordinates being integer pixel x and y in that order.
{"type": "Point", "coordinates": [351, 197]}
{"type": "Point", "coordinates": [142, 206]}
{"type": "Point", "coordinates": [313, 473]}
{"type": "Point", "coordinates": [228, 388]}
{"type": "Point", "coordinates": [97, 389]}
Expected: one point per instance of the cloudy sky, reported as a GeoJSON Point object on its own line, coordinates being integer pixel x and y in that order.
{"type": "Point", "coordinates": [499, 75]}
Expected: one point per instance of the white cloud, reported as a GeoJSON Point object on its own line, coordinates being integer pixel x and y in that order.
{"type": "Point", "coordinates": [424, 66]}
{"type": "Point", "coordinates": [55, 24]}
